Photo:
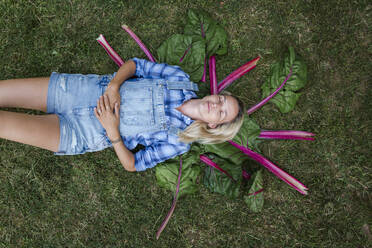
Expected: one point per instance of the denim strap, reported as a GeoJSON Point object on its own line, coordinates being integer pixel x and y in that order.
{"type": "Point", "coordinates": [182, 85]}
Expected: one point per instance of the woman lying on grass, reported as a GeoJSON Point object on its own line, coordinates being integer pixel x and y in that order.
{"type": "Point", "coordinates": [88, 113]}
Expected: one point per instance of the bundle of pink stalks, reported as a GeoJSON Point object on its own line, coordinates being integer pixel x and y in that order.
{"type": "Point", "coordinates": [215, 89]}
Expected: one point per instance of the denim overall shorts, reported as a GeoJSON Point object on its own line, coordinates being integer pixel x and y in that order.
{"type": "Point", "coordinates": [73, 98]}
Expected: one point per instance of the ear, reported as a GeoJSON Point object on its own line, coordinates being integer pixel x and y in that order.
{"type": "Point", "coordinates": [212, 125]}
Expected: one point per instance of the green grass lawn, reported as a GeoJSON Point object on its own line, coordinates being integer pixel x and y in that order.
{"type": "Point", "coordinates": [91, 201]}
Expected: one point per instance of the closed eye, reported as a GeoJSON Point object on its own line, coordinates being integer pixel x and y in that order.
{"type": "Point", "coordinates": [222, 115]}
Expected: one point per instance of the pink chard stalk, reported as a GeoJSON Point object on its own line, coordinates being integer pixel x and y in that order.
{"type": "Point", "coordinates": [257, 192]}
{"type": "Point", "coordinates": [212, 75]}
{"type": "Point", "coordinates": [294, 183]}
{"type": "Point", "coordinates": [260, 104]}
{"type": "Point", "coordinates": [139, 42]}
{"type": "Point", "coordinates": [169, 215]}
{"type": "Point", "coordinates": [183, 56]}
{"type": "Point", "coordinates": [110, 51]}
{"type": "Point", "coordinates": [204, 77]}
{"type": "Point", "coordinates": [209, 162]}
{"type": "Point", "coordinates": [286, 134]}
{"type": "Point", "coordinates": [246, 175]}
{"type": "Point", "coordinates": [237, 74]}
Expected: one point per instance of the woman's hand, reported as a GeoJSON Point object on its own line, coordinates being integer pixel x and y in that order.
{"type": "Point", "coordinates": [108, 116]}
{"type": "Point", "coordinates": [125, 71]}
{"type": "Point", "coordinates": [113, 95]}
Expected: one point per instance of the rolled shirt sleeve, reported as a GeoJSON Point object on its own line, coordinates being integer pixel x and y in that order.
{"type": "Point", "coordinates": [148, 69]}
{"type": "Point", "coordinates": [154, 154]}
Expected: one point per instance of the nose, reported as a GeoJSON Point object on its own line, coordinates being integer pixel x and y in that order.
{"type": "Point", "coordinates": [216, 105]}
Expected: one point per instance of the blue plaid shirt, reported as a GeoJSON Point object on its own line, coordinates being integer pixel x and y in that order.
{"type": "Point", "coordinates": [160, 146]}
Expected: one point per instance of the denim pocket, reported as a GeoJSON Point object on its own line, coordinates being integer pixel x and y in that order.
{"type": "Point", "coordinates": [90, 128]}
{"type": "Point", "coordinates": [136, 107]}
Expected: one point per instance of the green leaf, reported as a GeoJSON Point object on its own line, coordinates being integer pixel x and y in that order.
{"type": "Point", "coordinates": [201, 24]}
{"type": "Point", "coordinates": [227, 152]}
{"type": "Point", "coordinates": [167, 175]}
{"type": "Point", "coordinates": [255, 200]}
{"type": "Point", "coordinates": [286, 99]}
{"type": "Point", "coordinates": [218, 182]}
{"type": "Point", "coordinates": [299, 71]}
{"type": "Point", "coordinates": [186, 51]}
{"type": "Point", "coordinates": [248, 133]}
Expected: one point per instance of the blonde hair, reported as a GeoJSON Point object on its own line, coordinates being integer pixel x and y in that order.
{"type": "Point", "coordinates": [200, 132]}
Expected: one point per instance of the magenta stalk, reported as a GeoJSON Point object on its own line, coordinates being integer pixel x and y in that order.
{"type": "Point", "coordinates": [286, 134]}
{"type": "Point", "coordinates": [110, 51]}
{"type": "Point", "coordinates": [257, 192]}
{"type": "Point", "coordinates": [204, 77]}
{"type": "Point", "coordinates": [293, 182]}
{"type": "Point", "coordinates": [139, 42]}
{"type": "Point", "coordinates": [246, 175]}
{"type": "Point", "coordinates": [260, 104]}
{"type": "Point", "coordinates": [169, 215]}
{"type": "Point", "coordinates": [209, 162]}
{"type": "Point", "coordinates": [183, 56]}
{"type": "Point", "coordinates": [284, 137]}
{"type": "Point", "coordinates": [250, 65]}
{"type": "Point", "coordinates": [212, 74]}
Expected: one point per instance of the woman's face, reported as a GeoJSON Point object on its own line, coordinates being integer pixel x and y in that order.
{"type": "Point", "coordinates": [218, 109]}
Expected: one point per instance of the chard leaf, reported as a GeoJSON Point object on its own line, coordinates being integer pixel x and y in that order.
{"type": "Point", "coordinates": [218, 182]}
{"type": "Point", "coordinates": [248, 133]}
{"type": "Point", "coordinates": [167, 174]}
{"type": "Point", "coordinates": [286, 99]}
{"type": "Point", "coordinates": [299, 71]}
{"type": "Point", "coordinates": [186, 51]}
{"type": "Point", "coordinates": [255, 198]}
{"type": "Point", "coordinates": [227, 152]}
{"type": "Point", "coordinates": [200, 23]}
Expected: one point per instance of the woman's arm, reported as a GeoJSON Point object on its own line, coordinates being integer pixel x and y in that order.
{"type": "Point", "coordinates": [125, 156]}
{"type": "Point", "coordinates": [110, 120]}
{"type": "Point", "coordinates": [126, 71]}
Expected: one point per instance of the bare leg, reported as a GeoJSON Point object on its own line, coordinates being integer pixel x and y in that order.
{"type": "Point", "coordinates": [30, 93]}
{"type": "Point", "coordinates": [36, 130]}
